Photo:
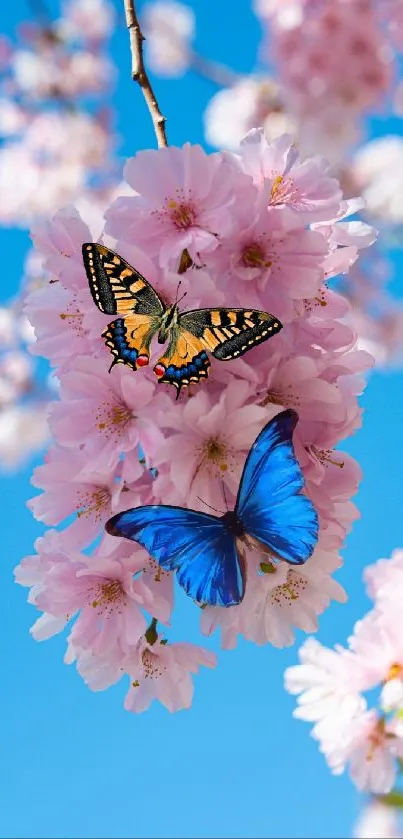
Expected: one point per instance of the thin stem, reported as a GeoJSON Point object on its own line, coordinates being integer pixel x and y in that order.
{"type": "Point", "coordinates": [139, 73]}
{"type": "Point", "coordinates": [215, 72]}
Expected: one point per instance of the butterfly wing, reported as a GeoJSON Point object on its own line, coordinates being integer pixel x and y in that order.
{"type": "Point", "coordinates": [226, 333]}
{"type": "Point", "coordinates": [118, 289]}
{"type": "Point", "coordinates": [269, 502]}
{"type": "Point", "coordinates": [199, 547]}
{"type": "Point", "coordinates": [229, 333]}
{"type": "Point", "coordinates": [185, 360]}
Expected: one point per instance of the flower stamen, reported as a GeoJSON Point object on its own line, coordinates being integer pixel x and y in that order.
{"type": "Point", "coordinates": [94, 502]}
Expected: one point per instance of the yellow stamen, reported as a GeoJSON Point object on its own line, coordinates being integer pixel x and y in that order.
{"type": "Point", "coordinates": [394, 672]}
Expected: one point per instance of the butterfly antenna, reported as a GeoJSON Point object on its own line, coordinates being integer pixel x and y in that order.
{"type": "Point", "coordinates": [209, 505]}
{"type": "Point", "coordinates": [181, 298]}
{"type": "Point", "coordinates": [225, 497]}
{"type": "Point", "coordinates": [177, 291]}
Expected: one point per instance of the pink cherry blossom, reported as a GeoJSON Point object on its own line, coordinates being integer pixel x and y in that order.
{"type": "Point", "coordinates": [278, 599]}
{"type": "Point", "coordinates": [184, 199]}
{"type": "Point", "coordinates": [160, 670]}
{"type": "Point", "coordinates": [282, 266]}
{"type": "Point", "coordinates": [297, 383]}
{"type": "Point", "coordinates": [69, 488]}
{"type": "Point", "coordinates": [299, 190]}
{"type": "Point", "coordinates": [383, 579]}
{"type": "Point", "coordinates": [100, 590]}
{"type": "Point", "coordinates": [323, 680]}
{"type": "Point", "coordinates": [367, 740]}
{"type": "Point", "coordinates": [214, 436]}
{"type": "Point", "coordinates": [107, 413]}
{"type": "Point", "coordinates": [157, 670]}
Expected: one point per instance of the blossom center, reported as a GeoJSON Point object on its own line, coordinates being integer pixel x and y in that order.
{"type": "Point", "coordinates": [216, 452]}
{"type": "Point", "coordinates": [74, 317]}
{"type": "Point", "coordinates": [280, 190]}
{"type": "Point", "coordinates": [215, 456]}
{"type": "Point", "coordinates": [290, 591]}
{"type": "Point", "coordinates": [254, 256]}
{"type": "Point", "coordinates": [108, 596]}
{"type": "Point", "coordinates": [94, 502]}
{"type": "Point", "coordinates": [323, 456]}
{"type": "Point", "coordinates": [182, 213]}
{"type": "Point", "coordinates": [152, 665]}
{"type": "Point", "coordinates": [286, 397]}
{"type": "Point", "coordinates": [113, 419]}
{"type": "Point", "coordinates": [395, 672]}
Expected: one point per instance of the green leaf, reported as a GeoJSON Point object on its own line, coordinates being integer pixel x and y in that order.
{"type": "Point", "coordinates": [267, 568]}
{"type": "Point", "coordinates": [392, 799]}
{"type": "Point", "coordinates": [151, 635]}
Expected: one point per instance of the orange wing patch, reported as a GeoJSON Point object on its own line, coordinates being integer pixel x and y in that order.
{"type": "Point", "coordinates": [185, 361]}
{"type": "Point", "coordinates": [129, 339]}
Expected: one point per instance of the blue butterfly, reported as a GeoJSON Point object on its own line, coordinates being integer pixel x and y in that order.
{"type": "Point", "coordinates": [202, 548]}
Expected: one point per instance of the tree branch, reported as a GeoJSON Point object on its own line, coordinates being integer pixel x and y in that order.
{"type": "Point", "coordinates": [139, 73]}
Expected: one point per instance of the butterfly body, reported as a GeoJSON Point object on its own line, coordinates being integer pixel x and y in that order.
{"type": "Point", "coordinates": [118, 289]}
{"type": "Point", "coordinates": [169, 324]}
{"type": "Point", "coordinates": [270, 514]}
{"type": "Point", "coordinates": [233, 524]}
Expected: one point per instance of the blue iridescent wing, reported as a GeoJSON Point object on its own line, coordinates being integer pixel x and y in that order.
{"type": "Point", "coordinates": [199, 547]}
{"type": "Point", "coordinates": [269, 502]}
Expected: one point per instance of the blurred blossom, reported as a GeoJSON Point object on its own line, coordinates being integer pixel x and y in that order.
{"type": "Point", "coordinates": [378, 169]}
{"type": "Point", "coordinates": [377, 821]}
{"type": "Point", "coordinates": [22, 431]}
{"type": "Point", "coordinates": [50, 165]}
{"type": "Point", "coordinates": [233, 111]}
{"type": "Point", "coordinates": [169, 28]}
{"type": "Point", "coordinates": [55, 149]}
{"type": "Point", "coordinates": [364, 735]}
{"type": "Point", "coordinates": [90, 19]}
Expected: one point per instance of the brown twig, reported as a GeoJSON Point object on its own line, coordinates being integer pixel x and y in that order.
{"type": "Point", "coordinates": [139, 73]}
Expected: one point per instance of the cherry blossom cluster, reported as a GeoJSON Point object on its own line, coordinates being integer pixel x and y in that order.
{"type": "Point", "coordinates": [300, 89]}
{"type": "Point", "coordinates": [54, 145]}
{"type": "Point", "coordinates": [305, 44]}
{"type": "Point", "coordinates": [260, 228]}
{"type": "Point", "coordinates": [365, 735]}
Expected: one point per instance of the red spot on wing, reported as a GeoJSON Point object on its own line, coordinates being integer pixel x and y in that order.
{"type": "Point", "coordinates": [142, 361]}
{"type": "Point", "coordinates": [159, 370]}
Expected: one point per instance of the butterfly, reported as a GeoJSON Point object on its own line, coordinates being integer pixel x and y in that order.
{"type": "Point", "coordinates": [118, 289]}
{"type": "Point", "coordinates": [205, 550]}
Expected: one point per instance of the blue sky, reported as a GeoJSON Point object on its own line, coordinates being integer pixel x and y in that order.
{"type": "Point", "coordinates": [75, 763]}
